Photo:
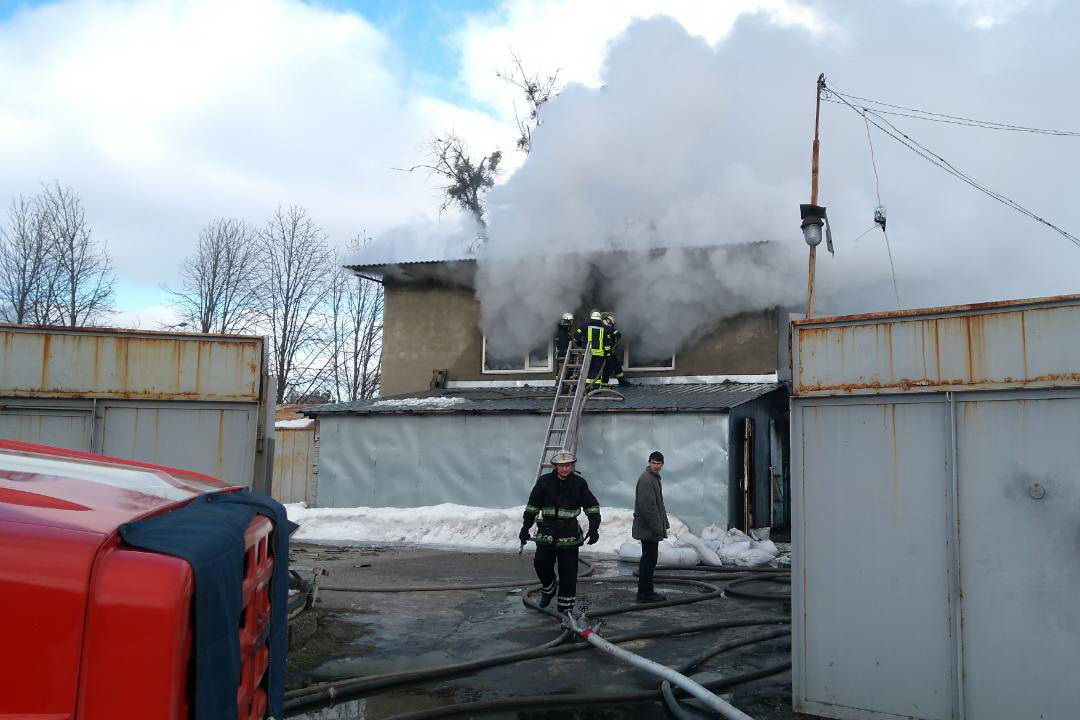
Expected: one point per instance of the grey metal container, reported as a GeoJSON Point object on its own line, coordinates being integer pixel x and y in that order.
{"type": "Point", "coordinates": [936, 519]}
{"type": "Point", "coordinates": [198, 402]}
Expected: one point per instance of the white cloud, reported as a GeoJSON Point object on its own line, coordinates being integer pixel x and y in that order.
{"type": "Point", "coordinates": [571, 36]}
{"type": "Point", "coordinates": [163, 115]}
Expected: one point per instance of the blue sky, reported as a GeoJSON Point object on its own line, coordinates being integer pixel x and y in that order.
{"type": "Point", "coordinates": [423, 32]}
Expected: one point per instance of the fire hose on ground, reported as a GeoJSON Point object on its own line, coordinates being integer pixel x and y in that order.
{"type": "Point", "coordinates": [298, 701]}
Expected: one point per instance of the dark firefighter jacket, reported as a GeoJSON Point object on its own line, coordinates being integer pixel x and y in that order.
{"type": "Point", "coordinates": [597, 335]}
{"type": "Point", "coordinates": [558, 503]}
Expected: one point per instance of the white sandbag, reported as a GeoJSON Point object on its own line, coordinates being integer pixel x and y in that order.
{"type": "Point", "coordinates": [760, 533]}
{"type": "Point", "coordinates": [730, 552]}
{"type": "Point", "coordinates": [712, 532]}
{"type": "Point", "coordinates": [706, 555]}
{"type": "Point", "coordinates": [670, 556]}
{"type": "Point", "coordinates": [751, 556]}
{"type": "Point", "coordinates": [766, 545]}
{"type": "Point", "coordinates": [735, 535]}
{"type": "Point", "coordinates": [630, 552]}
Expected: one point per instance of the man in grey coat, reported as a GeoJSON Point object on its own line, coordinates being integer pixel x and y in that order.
{"type": "Point", "coordinates": [650, 525]}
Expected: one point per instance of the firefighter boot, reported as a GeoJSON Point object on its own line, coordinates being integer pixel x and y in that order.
{"type": "Point", "coordinates": [547, 594]}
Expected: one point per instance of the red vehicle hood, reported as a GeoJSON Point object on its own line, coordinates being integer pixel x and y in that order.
{"type": "Point", "coordinates": [57, 488]}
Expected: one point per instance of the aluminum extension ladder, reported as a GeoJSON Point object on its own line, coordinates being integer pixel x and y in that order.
{"type": "Point", "coordinates": [570, 396]}
{"type": "Point", "coordinates": [562, 427]}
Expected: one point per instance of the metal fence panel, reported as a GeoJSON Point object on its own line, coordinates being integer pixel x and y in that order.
{"type": "Point", "coordinates": [872, 611]}
{"type": "Point", "coordinates": [294, 464]}
{"type": "Point", "coordinates": [1019, 536]}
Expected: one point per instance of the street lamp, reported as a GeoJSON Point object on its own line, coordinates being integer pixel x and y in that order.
{"type": "Point", "coordinates": [811, 223]}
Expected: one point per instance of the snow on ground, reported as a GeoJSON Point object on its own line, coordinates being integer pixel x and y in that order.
{"type": "Point", "coordinates": [448, 525]}
{"type": "Point", "coordinates": [295, 424]}
{"type": "Point", "coordinates": [433, 403]}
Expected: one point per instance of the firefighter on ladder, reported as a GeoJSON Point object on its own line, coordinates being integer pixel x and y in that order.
{"type": "Point", "coordinates": [596, 335]}
{"type": "Point", "coordinates": [558, 498]}
{"type": "Point", "coordinates": [564, 334]}
{"type": "Point", "coordinates": [613, 365]}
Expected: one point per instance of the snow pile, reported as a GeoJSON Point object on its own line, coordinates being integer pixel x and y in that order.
{"type": "Point", "coordinates": [447, 525]}
{"type": "Point", "coordinates": [433, 403]}
{"type": "Point", "coordinates": [299, 424]}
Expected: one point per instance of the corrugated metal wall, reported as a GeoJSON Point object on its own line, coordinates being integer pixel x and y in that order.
{"type": "Point", "coordinates": [488, 460]}
{"type": "Point", "coordinates": [186, 401]}
{"type": "Point", "coordinates": [294, 465]}
{"type": "Point", "coordinates": [936, 513]}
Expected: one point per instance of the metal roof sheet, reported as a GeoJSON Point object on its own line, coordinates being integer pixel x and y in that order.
{"type": "Point", "coordinates": [687, 397]}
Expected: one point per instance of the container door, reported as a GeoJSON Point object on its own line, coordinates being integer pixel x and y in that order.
{"type": "Point", "coordinates": [218, 441]}
{"type": "Point", "coordinates": [870, 540]}
{"type": "Point", "coordinates": [68, 428]}
{"type": "Point", "coordinates": [1019, 495]}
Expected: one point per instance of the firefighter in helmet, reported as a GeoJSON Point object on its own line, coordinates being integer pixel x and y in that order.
{"type": "Point", "coordinates": [597, 337]}
{"type": "Point", "coordinates": [558, 498]}
{"type": "Point", "coordinates": [613, 362]}
{"type": "Point", "coordinates": [564, 333]}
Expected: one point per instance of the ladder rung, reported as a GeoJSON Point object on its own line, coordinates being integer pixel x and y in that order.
{"type": "Point", "coordinates": [555, 430]}
{"type": "Point", "coordinates": [552, 447]}
{"type": "Point", "coordinates": [558, 412]}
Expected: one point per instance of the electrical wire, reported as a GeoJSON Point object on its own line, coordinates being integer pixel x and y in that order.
{"type": "Point", "coordinates": [881, 123]}
{"type": "Point", "coordinates": [929, 116]}
{"type": "Point", "coordinates": [877, 191]}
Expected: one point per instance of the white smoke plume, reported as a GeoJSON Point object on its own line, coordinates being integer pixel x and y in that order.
{"type": "Point", "coordinates": [692, 145]}
{"type": "Point", "coordinates": [625, 187]}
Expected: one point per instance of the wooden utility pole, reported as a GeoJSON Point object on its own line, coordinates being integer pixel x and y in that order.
{"type": "Point", "coordinates": [813, 197]}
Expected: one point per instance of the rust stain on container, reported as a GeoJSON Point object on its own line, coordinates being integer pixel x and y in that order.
{"type": "Point", "coordinates": [987, 349]}
{"type": "Point", "coordinates": [219, 460]}
{"type": "Point", "coordinates": [102, 363]}
{"type": "Point", "coordinates": [45, 351]}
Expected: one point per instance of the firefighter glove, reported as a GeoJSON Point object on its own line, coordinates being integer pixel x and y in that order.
{"type": "Point", "coordinates": [523, 536]}
{"type": "Point", "coordinates": [593, 536]}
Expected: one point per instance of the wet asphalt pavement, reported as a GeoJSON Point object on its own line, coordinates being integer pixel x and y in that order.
{"type": "Point", "coordinates": [359, 634]}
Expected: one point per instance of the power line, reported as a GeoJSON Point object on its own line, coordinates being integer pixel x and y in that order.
{"type": "Point", "coordinates": [881, 123]}
{"type": "Point", "coordinates": [944, 118]}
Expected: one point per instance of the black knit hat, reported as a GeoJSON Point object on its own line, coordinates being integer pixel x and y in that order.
{"type": "Point", "coordinates": [657, 456]}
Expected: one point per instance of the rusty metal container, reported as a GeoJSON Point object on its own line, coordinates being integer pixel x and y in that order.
{"type": "Point", "coordinates": [193, 401]}
{"type": "Point", "coordinates": [936, 512]}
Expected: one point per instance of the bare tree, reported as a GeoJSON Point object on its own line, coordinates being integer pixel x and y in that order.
{"type": "Point", "coordinates": [219, 283]}
{"type": "Point", "coordinates": [465, 179]}
{"type": "Point", "coordinates": [296, 279]}
{"type": "Point", "coordinates": [356, 307]}
{"type": "Point", "coordinates": [537, 90]}
{"type": "Point", "coordinates": [27, 273]}
{"type": "Point", "coordinates": [84, 278]}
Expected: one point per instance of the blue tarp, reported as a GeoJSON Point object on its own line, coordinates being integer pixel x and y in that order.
{"type": "Point", "coordinates": [209, 534]}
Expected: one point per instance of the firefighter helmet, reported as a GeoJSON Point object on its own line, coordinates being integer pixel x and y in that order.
{"type": "Point", "coordinates": [568, 317]}
{"type": "Point", "coordinates": [595, 315]}
{"type": "Point", "coordinates": [563, 456]}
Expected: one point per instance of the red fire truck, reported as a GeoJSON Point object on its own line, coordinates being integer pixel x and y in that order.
{"type": "Point", "coordinates": [95, 629]}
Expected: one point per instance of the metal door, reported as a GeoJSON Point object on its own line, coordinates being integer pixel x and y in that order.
{"type": "Point", "coordinates": [874, 564]}
{"type": "Point", "coordinates": [1019, 494]}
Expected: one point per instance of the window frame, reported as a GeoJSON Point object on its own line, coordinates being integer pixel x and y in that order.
{"type": "Point", "coordinates": [526, 368]}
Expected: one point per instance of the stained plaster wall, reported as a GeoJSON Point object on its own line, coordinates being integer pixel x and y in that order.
{"type": "Point", "coordinates": [429, 327]}
{"type": "Point", "coordinates": [489, 460]}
